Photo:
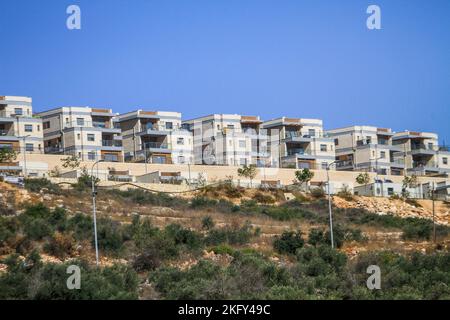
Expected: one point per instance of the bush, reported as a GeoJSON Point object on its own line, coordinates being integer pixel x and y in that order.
{"type": "Point", "coordinates": [110, 235]}
{"type": "Point", "coordinates": [345, 193]}
{"type": "Point", "coordinates": [263, 198]}
{"type": "Point", "coordinates": [289, 242]}
{"type": "Point", "coordinates": [230, 235]}
{"type": "Point", "coordinates": [207, 223]}
{"type": "Point", "coordinates": [35, 280]}
{"type": "Point", "coordinates": [418, 229]}
{"type": "Point", "coordinates": [60, 245]}
{"type": "Point", "coordinates": [42, 184]}
{"type": "Point", "coordinates": [191, 239]}
{"type": "Point", "coordinates": [318, 193]}
{"type": "Point", "coordinates": [150, 259]}
{"type": "Point", "coordinates": [39, 222]}
{"type": "Point", "coordinates": [200, 202]}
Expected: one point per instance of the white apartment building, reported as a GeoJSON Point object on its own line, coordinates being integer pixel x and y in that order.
{"type": "Point", "coordinates": [19, 129]}
{"type": "Point", "coordinates": [85, 132]}
{"type": "Point", "coordinates": [155, 137]}
{"type": "Point", "coordinates": [228, 139]}
{"type": "Point", "coordinates": [422, 153]}
{"type": "Point", "coordinates": [300, 143]}
{"type": "Point", "coordinates": [367, 148]}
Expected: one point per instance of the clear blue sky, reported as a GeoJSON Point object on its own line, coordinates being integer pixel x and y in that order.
{"type": "Point", "coordinates": [297, 58]}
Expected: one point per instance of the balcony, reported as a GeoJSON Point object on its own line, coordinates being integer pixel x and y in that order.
{"type": "Point", "coordinates": [344, 164]}
{"type": "Point", "coordinates": [53, 150]}
{"type": "Point", "coordinates": [156, 145]}
{"type": "Point", "coordinates": [154, 130]}
{"type": "Point", "coordinates": [112, 143]}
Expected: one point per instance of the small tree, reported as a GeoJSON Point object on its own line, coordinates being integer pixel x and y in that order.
{"type": "Point", "coordinates": [71, 162]}
{"type": "Point", "coordinates": [248, 171]}
{"type": "Point", "coordinates": [408, 182]}
{"type": "Point", "coordinates": [304, 176]}
{"type": "Point", "coordinates": [7, 155]}
{"type": "Point", "coordinates": [363, 179]}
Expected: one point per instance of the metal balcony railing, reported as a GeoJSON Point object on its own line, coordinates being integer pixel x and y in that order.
{"type": "Point", "coordinates": [6, 133]}
{"type": "Point", "coordinates": [429, 147]}
{"type": "Point", "coordinates": [155, 145]}
{"type": "Point", "coordinates": [112, 143]}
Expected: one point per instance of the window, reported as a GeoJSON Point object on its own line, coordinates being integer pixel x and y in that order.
{"type": "Point", "coordinates": [445, 160]}
{"type": "Point", "coordinates": [312, 132]}
{"type": "Point", "coordinates": [390, 191]}
{"type": "Point", "coordinates": [110, 157]}
{"type": "Point", "coordinates": [230, 126]}
{"type": "Point", "coordinates": [383, 154]}
{"type": "Point", "coordinates": [169, 125]}
{"type": "Point", "coordinates": [180, 141]}
{"type": "Point", "coordinates": [324, 165]}
{"type": "Point", "coordinates": [28, 128]}
{"type": "Point", "coordinates": [91, 137]}
{"type": "Point", "coordinates": [29, 147]}
{"type": "Point", "coordinates": [78, 136]}
{"type": "Point", "coordinates": [46, 125]}
{"type": "Point", "coordinates": [323, 147]}
{"type": "Point", "coordinates": [18, 111]}
{"type": "Point", "coordinates": [38, 128]}
{"type": "Point", "coordinates": [430, 145]}
{"type": "Point", "coordinates": [336, 142]}
{"type": "Point", "coordinates": [242, 144]}
{"type": "Point", "coordinates": [243, 161]}
{"type": "Point", "coordinates": [91, 155]}
{"type": "Point", "coordinates": [181, 159]}
{"type": "Point", "coordinates": [80, 122]}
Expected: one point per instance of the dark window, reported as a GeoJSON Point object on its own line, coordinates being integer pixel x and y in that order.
{"type": "Point", "coordinates": [28, 128]}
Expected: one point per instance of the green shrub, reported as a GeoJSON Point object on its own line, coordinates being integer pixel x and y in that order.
{"type": "Point", "coordinates": [42, 184]}
{"type": "Point", "coordinates": [288, 242]}
{"type": "Point", "coordinates": [345, 193]}
{"type": "Point", "coordinates": [417, 229]}
{"type": "Point", "coordinates": [263, 198]}
{"type": "Point", "coordinates": [233, 236]}
{"type": "Point", "coordinates": [318, 193]}
{"type": "Point", "coordinates": [200, 202]}
{"type": "Point", "coordinates": [207, 223]}
{"type": "Point", "coordinates": [109, 235]}
{"type": "Point", "coordinates": [191, 239]}
{"type": "Point", "coordinates": [39, 222]}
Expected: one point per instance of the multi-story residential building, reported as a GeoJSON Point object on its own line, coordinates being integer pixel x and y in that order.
{"type": "Point", "coordinates": [422, 153]}
{"type": "Point", "coordinates": [155, 137]}
{"type": "Point", "coordinates": [228, 139]}
{"type": "Point", "coordinates": [19, 129]}
{"type": "Point", "coordinates": [367, 148]}
{"type": "Point", "coordinates": [301, 143]}
{"type": "Point", "coordinates": [85, 132]}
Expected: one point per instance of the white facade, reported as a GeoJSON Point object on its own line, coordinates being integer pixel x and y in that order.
{"type": "Point", "coordinates": [85, 132]}
{"type": "Point", "coordinates": [300, 143]}
{"type": "Point", "coordinates": [228, 139]}
{"type": "Point", "coordinates": [19, 129]}
{"type": "Point", "coordinates": [367, 148]}
{"type": "Point", "coordinates": [422, 153]}
{"type": "Point", "coordinates": [155, 137]}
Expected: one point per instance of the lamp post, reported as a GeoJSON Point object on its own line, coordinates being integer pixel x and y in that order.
{"type": "Point", "coordinates": [24, 155]}
{"type": "Point", "coordinates": [94, 209]}
{"type": "Point", "coordinates": [329, 203]}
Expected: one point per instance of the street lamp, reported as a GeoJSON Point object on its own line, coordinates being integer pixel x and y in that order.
{"type": "Point", "coordinates": [329, 202]}
{"type": "Point", "coordinates": [94, 209]}
{"type": "Point", "coordinates": [24, 155]}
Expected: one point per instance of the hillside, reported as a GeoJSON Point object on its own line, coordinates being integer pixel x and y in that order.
{"type": "Point", "coordinates": [228, 231]}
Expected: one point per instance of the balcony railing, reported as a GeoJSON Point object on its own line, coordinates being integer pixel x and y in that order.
{"type": "Point", "coordinates": [293, 152]}
{"type": "Point", "coordinates": [6, 133]}
{"type": "Point", "coordinates": [344, 163]}
{"type": "Point", "coordinates": [112, 143]}
{"type": "Point", "coordinates": [53, 150]}
{"type": "Point", "coordinates": [155, 145]}
{"type": "Point", "coordinates": [298, 134]}
{"type": "Point", "coordinates": [429, 147]}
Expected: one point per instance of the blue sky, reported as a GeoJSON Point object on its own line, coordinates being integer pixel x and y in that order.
{"type": "Point", "coordinates": [297, 58]}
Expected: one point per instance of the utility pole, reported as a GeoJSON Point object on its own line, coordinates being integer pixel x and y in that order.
{"type": "Point", "coordinates": [25, 173]}
{"type": "Point", "coordinates": [434, 216]}
{"type": "Point", "coordinates": [94, 209]}
{"type": "Point", "coordinates": [329, 203]}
